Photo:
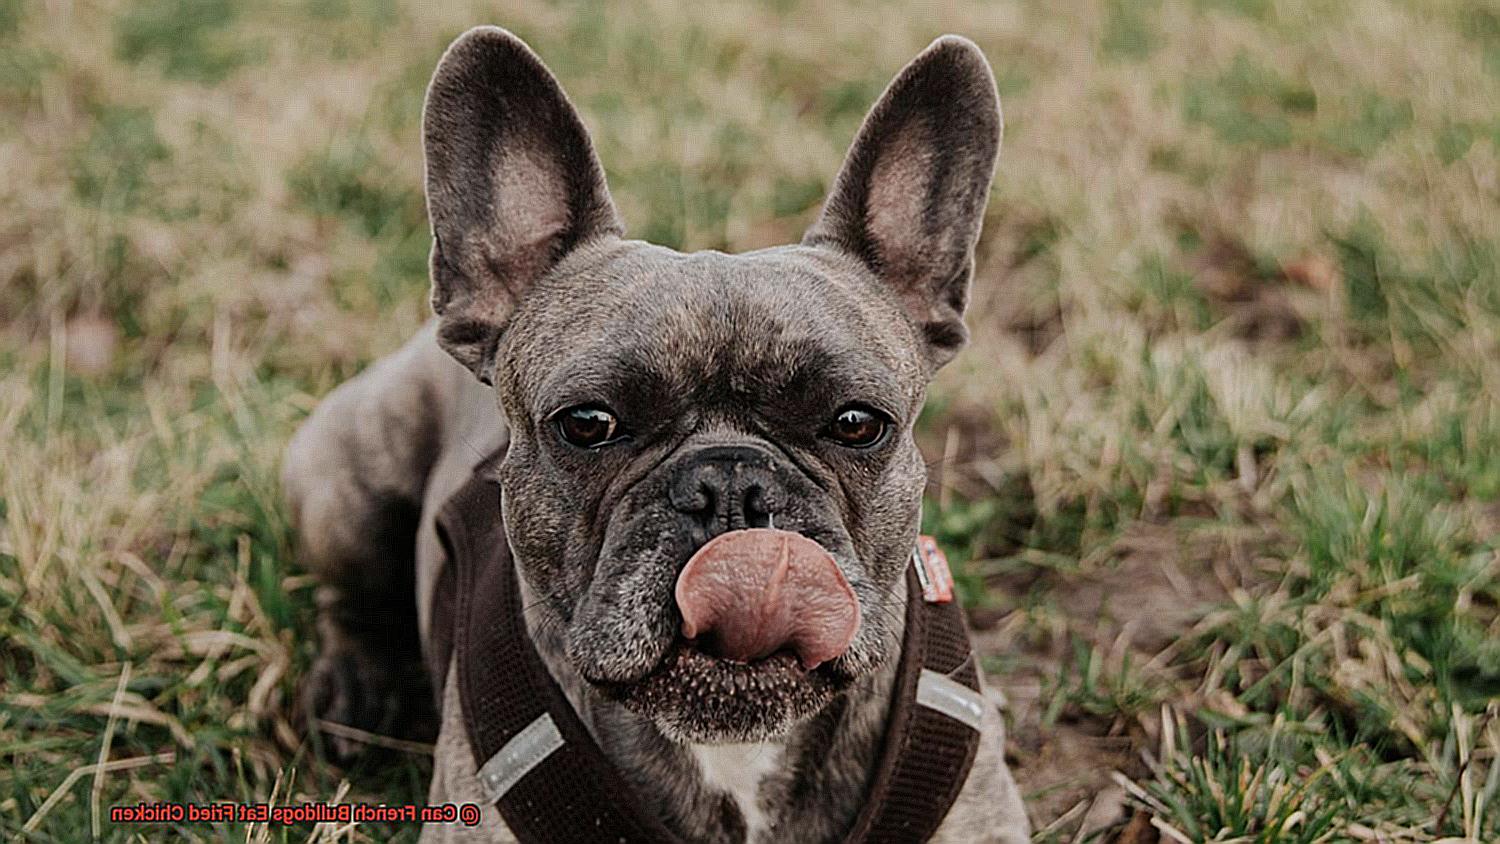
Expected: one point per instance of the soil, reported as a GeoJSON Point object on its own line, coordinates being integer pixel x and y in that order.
{"type": "Point", "coordinates": [1158, 583]}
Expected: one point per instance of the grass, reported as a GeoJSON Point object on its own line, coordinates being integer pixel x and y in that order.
{"type": "Point", "coordinates": [1236, 369]}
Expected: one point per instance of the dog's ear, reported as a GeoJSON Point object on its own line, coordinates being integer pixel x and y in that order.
{"type": "Point", "coordinates": [910, 197]}
{"type": "Point", "coordinates": [512, 186]}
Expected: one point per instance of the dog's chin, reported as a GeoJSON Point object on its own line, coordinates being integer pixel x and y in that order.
{"type": "Point", "coordinates": [694, 697]}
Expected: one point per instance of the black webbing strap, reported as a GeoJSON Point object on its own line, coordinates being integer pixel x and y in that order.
{"type": "Point", "coordinates": [574, 794]}
{"type": "Point", "coordinates": [926, 755]}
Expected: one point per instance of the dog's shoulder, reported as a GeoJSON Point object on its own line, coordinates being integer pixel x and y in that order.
{"type": "Point", "coordinates": [989, 806]}
{"type": "Point", "coordinates": [454, 779]}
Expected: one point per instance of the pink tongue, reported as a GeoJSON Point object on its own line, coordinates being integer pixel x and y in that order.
{"type": "Point", "coordinates": [750, 593]}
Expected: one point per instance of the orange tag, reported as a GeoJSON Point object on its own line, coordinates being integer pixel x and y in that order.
{"type": "Point", "coordinates": [932, 571]}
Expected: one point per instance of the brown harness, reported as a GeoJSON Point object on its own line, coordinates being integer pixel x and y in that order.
{"type": "Point", "coordinates": [552, 783]}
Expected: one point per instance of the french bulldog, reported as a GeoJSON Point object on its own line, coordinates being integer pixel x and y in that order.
{"type": "Point", "coordinates": [648, 402]}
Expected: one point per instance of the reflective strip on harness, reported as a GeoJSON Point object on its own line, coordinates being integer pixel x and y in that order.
{"type": "Point", "coordinates": [519, 755]}
{"type": "Point", "coordinates": [950, 697]}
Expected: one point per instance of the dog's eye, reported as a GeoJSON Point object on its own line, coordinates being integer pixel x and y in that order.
{"type": "Point", "coordinates": [857, 426]}
{"type": "Point", "coordinates": [587, 426]}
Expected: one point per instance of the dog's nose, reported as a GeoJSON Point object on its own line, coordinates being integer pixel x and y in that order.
{"type": "Point", "coordinates": [726, 487]}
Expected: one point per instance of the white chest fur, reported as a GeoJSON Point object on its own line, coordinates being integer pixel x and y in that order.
{"type": "Point", "coordinates": [739, 769]}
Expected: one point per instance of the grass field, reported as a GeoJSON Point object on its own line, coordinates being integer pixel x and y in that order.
{"type": "Point", "coordinates": [1221, 468]}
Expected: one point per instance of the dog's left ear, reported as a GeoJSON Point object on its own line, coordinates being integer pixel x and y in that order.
{"type": "Point", "coordinates": [513, 185]}
{"type": "Point", "coordinates": [910, 197]}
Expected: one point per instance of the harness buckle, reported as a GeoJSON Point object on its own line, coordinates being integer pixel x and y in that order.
{"type": "Point", "coordinates": [931, 565]}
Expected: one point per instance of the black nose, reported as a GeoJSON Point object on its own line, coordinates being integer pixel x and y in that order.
{"type": "Point", "coordinates": [726, 487]}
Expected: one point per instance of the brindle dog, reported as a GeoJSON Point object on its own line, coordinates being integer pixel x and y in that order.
{"type": "Point", "coordinates": [649, 400]}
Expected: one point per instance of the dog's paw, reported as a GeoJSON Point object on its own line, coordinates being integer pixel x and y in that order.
{"type": "Point", "coordinates": [355, 697]}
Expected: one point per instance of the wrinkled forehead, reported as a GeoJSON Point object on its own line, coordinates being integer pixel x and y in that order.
{"type": "Point", "coordinates": [754, 324]}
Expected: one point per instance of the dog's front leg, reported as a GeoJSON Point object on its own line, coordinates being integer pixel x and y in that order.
{"type": "Point", "coordinates": [354, 476]}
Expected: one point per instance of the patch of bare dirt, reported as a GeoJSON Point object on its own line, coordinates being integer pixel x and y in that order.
{"type": "Point", "coordinates": [1158, 581]}
{"type": "Point", "coordinates": [965, 455]}
{"type": "Point", "coordinates": [1010, 289]}
{"type": "Point", "coordinates": [1255, 306]}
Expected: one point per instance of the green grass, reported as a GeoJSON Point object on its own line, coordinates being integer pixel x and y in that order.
{"type": "Point", "coordinates": [189, 39]}
{"type": "Point", "coordinates": [1236, 353]}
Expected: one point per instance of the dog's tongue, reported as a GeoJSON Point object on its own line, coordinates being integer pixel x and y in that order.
{"type": "Point", "coordinates": [749, 593]}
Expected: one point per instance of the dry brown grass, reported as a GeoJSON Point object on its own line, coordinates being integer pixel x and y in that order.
{"type": "Point", "coordinates": [1237, 339]}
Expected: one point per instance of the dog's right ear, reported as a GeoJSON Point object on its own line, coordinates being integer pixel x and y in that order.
{"type": "Point", "coordinates": [512, 186]}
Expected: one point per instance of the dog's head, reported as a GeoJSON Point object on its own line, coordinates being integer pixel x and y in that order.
{"type": "Point", "coordinates": [659, 400]}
